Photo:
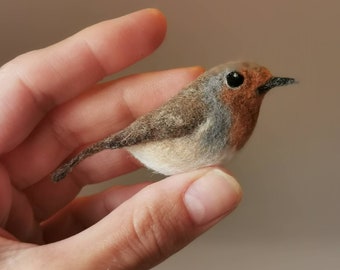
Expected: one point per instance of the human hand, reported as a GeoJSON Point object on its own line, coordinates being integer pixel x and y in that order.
{"type": "Point", "coordinates": [50, 105]}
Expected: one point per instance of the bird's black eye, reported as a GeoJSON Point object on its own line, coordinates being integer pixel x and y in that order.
{"type": "Point", "coordinates": [234, 79]}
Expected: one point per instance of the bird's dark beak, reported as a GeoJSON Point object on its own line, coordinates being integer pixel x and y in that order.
{"type": "Point", "coordinates": [273, 82]}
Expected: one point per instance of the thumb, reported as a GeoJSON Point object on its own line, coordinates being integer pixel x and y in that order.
{"type": "Point", "coordinates": [154, 224]}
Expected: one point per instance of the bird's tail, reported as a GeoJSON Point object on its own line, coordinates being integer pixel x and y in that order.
{"type": "Point", "coordinates": [67, 167]}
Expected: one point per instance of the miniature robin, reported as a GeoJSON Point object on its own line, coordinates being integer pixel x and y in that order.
{"type": "Point", "coordinates": [207, 122]}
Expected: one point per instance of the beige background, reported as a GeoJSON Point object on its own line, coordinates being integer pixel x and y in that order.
{"type": "Point", "coordinates": [289, 218]}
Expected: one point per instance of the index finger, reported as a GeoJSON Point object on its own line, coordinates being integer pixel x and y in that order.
{"type": "Point", "coordinates": [34, 83]}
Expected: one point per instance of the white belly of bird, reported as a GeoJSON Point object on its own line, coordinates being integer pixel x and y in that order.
{"type": "Point", "coordinates": [179, 155]}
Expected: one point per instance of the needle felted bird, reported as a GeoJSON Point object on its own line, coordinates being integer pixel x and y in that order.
{"type": "Point", "coordinates": [208, 121]}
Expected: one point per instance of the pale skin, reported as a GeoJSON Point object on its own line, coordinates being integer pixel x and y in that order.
{"type": "Point", "coordinates": [50, 105]}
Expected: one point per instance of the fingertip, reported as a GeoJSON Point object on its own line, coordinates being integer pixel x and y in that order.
{"type": "Point", "coordinates": [155, 18]}
{"type": "Point", "coordinates": [160, 22]}
{"type": "Point", "coordinates": [196, 70]}
{"type": "Point", "coordinates": [212, 196]}
{"type": "Point", "coordinates": [159, 15]}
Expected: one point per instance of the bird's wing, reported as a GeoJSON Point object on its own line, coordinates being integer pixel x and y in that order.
{"type": "Point", "coordinates": [179, 117]}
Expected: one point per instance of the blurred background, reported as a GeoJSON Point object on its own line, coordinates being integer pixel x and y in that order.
{"type": "Point", "coordinates": [290, 215]}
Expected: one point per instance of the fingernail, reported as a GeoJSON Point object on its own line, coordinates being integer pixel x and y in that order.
{"type": "Point", "coordinates": [212, 196]}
